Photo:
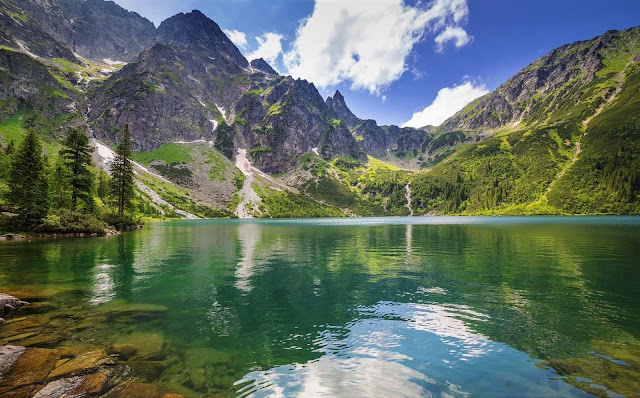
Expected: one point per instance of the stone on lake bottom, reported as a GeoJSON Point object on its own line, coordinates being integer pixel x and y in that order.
{"type": "Point", "coordinates": [124, 351]}
{"type": "Point", "coordinates": [148, 346]}
{"type": "Point", "coordinates": [82, 363]}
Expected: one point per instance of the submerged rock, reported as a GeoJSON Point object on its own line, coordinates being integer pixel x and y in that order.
{"type": "Point", "coordinates": [8, 356]}
{"type": "Point", "coordinates": [77, 387]}
{"type": "Point", "coordinates": [32, 367]}
{"type": "Point", "coordinates": [59, 388]}
{"type": "Point", "coordinates": [140, 390]}
{"type": "Point", "coordinates": [82, 363]}
{"type": "Point", "coordinates": [123, 351]}
{"type": "Point", "coordinates": [149, 370]}
{"type": "Point", "coordinates": [148, 346]}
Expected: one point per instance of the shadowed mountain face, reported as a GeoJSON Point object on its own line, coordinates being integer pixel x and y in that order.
{"type": "Point", "coordinates": [94, 29]}
{"type": "Point", "coordinates": [560, 136]}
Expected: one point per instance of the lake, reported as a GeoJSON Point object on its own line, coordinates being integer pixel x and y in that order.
{"type": "Point", "coordinates": [388, 307]}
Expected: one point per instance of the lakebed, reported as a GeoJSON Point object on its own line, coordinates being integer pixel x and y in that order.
{"type": "Point", "coordinates": [412, 306]}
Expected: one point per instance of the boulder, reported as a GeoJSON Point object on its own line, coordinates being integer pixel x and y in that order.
{"type": "Point", "coordinates": [8, 356]}
{"type": "Point", "coordinates": [31, 367]}
{"type": "Point", "coordinates": [77, 387]}
{"type": "Point", "coordinates": [81, 364]}
{"type": "Point", "coordinates": [10, 305]}
{"type": "Point", "coordinates": [59, 388]}
{"type": "Point", "coordinates": [135, 390]}
{"type": "Point", "coordinates": [148, 346]}
{"type": "Point", "coordinates": [123, 351]}
{"type": "Point", "coordinates": [148, 370]}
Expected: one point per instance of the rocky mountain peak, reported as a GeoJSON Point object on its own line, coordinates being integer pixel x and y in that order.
{"type": "Point", "coordinates": [262, 65]}
{"type": "Point", "coordinates": [197, 29]}
{"type": "Point", "coordinates": [338, 104]}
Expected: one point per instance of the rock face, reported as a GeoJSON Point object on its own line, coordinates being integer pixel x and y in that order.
{"type": "Point", "coordinates": [95, 29]}
{"type": "Point", "coordinates": [262, 65]}
{"type": "Point", "coordinates": [378, 140]}
{"type": "Point", "coordinates": [339, 106]}
{"type": "Point", "coordinates": [198, 86]}
{"type": "Point", "coordinates": [21, 30]}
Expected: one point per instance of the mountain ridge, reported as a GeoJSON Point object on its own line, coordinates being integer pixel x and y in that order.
{"type": "Point", "coordinates": [520, 149]}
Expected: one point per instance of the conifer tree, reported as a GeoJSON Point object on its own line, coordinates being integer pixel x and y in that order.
{"type": "Point", "coordinates": [28, 186]}
{"type": "Point", "coordinates": [122, 173]}
{"type": "Point", "coordinates": [60, 195]}
{"type": "Point", "coordinates": [76, 154]}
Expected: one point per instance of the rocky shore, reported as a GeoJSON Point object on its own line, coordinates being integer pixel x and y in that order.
{"type": "Point", "coordinates": [74, 353]}
{"type": "Point", "coordinates": [108, 232]}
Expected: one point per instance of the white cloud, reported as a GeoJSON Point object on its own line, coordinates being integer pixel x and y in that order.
{"type": "Point", "coordinates": [448, 101]}
{"type": "Point", "coordinates": [452, 33]}
{"type": "Point", "coordinates": [365, 42]}
{"type": "Point", "coordinates": [269, 47]}
{"type": "Point", "coordinates": [238, 38]}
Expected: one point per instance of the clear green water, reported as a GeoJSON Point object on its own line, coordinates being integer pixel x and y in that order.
{"type": "Point", "coordinates": [500, 307]}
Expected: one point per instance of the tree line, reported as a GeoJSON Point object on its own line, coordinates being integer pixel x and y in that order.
{"type": "Point", "coordinates": [64, 193]}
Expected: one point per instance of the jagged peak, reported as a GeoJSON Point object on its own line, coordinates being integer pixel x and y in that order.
{"type": "Point", "coordinates": [195, 28]}
{"type": "Point", "coordinates": [263, 66]}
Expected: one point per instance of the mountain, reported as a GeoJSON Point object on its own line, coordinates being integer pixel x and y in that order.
{"type": "Point", "coordinates": [560, 136]}
{"type": "Point", "coordinates": [212, 130]}
{"type": "Point", "coordinates": [94, 29]}
{"type": "Point", "coordinates": [21, 31]}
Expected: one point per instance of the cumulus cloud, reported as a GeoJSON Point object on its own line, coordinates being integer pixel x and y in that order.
{"type": "Point", "coordinates": [448, 101]}
{"type": "Point", "coordinates": [238, 38]}
{"type": "Point", "coordinates": [452, 33]}
{"type": "Point", "coordinates": [366, 42]}
{"type": "Point", "coordinates": [269, 47]}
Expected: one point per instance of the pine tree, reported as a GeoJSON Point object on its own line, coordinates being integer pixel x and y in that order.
{"type": "Point", "coordinates": [28, 186]}
{"type": "Point", "coordinates": [77, 158]}
{"type": "Point", "coordinates": [102, 185]}
{"type": "Point", "coordinates": [59, 185]}
{"type": "Point", "coordinates": [122, 173]}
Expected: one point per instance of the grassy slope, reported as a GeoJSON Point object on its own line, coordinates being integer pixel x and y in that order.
{"type": "Point", "coordinates": [535, 168]}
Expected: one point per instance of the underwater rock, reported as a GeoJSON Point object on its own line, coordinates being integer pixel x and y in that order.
{"type": "Point", "coordinates": [149, 370]}
{"type": "Point", "coordinates": [82, 363]}
{"type": "Point", "coordinates": [148, 346]}
{"type": "Point", "coordinates": [123, 351]}
{"type": "Point", "coordinates": [139, 390]}
{"type": "Point", "coordinates": [92, 384]}
{"type": "Point", "coordinates": [59, 388]}
{"type": "Point", "coordinates": [31, 367]}
{"type": "Point", "coordinates": [21, 392]}
{"type": "Point", "coordinates": [197, 379]}
{"type": "Point", "coordinates": [8, 356]}
{"type": "Point", "coordinates": [77, 387]}
{"type": "Point", "coordinates": [121, 307]}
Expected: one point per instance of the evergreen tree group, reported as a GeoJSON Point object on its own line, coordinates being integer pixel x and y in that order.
{"type": "Point", "coordinates": [65, 184]}
{"type": "Point", "coordinates": [28, 185]}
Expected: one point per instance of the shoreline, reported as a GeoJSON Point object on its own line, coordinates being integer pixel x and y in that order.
{"type": "Point", "coordinates": [13, 237]}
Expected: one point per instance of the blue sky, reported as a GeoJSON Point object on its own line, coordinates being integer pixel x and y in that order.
{"type": "Point", "coordinates": [392, 59]}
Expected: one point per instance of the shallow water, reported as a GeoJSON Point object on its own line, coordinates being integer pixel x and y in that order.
{"type": "Point", "coordinates": [422, 306]}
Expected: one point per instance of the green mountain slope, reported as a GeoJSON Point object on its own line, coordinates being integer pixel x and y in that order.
{"type": "Point", "coordinates": [563, 136]}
